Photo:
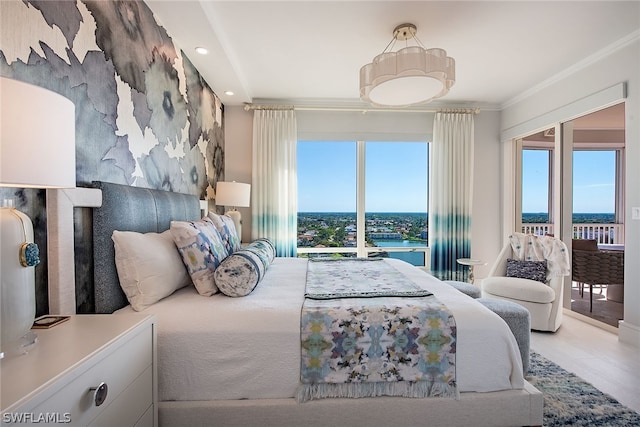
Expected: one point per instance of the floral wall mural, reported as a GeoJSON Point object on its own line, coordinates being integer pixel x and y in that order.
{"type": "Point", "coordinates": [144, 114]}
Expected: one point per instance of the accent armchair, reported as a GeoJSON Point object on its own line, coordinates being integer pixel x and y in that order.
{"type": "Point", "coordinates": [540, 293]}
{"type": "Point", "coordinates": [592, 266]}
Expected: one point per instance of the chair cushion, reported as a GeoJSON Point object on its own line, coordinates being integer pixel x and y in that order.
{"type": "Point", "coordinates": [584, 244]}
{"type": "Point", "coordinates": [519, 289]}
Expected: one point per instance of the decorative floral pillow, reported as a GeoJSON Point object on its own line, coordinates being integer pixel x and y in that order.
{"type": "Point", "coordinates": [227, 229]}
{"type": "Point", "coordinates": [202, 251]}
{"type": "Point", "coordinates": [239, 274]}
{"type": "Point", "coordinates": [533, 270]}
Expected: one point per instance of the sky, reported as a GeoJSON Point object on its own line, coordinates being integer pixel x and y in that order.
{"type": "Point", "coordinates": [396, 178]}
{"type": "Point", "coordinates": [593, 181]}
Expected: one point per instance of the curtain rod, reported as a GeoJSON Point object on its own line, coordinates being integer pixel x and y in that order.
{"type": "Point", "coordinates": [253, 107]}
{"type": "Point", "coordinates": [363, 110]}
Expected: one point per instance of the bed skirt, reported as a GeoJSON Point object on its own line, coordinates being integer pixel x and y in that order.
{"type": "Point", "coordinates": [501, 408]}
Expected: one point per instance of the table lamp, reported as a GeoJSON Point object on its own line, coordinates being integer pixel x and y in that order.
{"type": "Point", "coordinates": [37, 150]}
{"type": "Point", "coordinates": [233, 194]}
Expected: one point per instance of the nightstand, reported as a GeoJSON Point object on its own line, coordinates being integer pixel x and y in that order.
{"type": "Point", "coordinates": [97, 370]}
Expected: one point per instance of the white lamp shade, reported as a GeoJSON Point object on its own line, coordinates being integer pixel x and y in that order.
{"type": "Point", "coordinates": [235, 194]}
{"type": "Point", "coordinates": [37, 150]}
{"type": "Point", "coordinates": [37, 137]}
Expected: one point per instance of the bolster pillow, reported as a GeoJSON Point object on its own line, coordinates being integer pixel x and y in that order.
{"type": "Point", "coordinates": [239, 273]}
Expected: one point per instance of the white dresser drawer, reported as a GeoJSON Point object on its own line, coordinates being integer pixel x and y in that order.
{"type": "Point", "coordinates": [131, 405]}
{"type": "Point", "coordinates": [117, 370]}
{"type": "Point", "coordinates": [54, 381]}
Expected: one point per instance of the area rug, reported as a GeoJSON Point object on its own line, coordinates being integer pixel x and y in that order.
{"type": "Point", "coordinates": [571, 401]}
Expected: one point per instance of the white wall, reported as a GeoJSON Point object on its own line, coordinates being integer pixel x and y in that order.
{"type": "Point", "coordinates": [620, 66]}
{"type": "Point", "coordinates": [381, 126]}
{"type": "Point", "coordinates": [370, 126]}
{"type": "Point", "coordinates": [486, 225]}
{"type": "Point", "coordinates": [238, 130]}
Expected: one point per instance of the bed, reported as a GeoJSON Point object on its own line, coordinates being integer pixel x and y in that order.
{"type": "Point", "coordinates": [236, 361]}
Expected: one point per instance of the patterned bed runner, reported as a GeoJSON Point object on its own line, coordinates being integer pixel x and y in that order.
{"type": "Point", "coordinates": [386, 342]}
{"type": "Point", "coordinates": [329, 278]}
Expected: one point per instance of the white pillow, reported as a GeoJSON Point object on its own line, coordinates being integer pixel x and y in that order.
{"type": "Point", "coordinates": [149, 267]}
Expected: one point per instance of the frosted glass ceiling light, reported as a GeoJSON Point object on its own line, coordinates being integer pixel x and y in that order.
{"type": "Point", "coordinates": [413, 75]}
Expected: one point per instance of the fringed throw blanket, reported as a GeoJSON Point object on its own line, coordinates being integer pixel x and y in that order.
{"type": "Point", "coordinates": [529, 247]}
{"type": "Point", "coordinates": [389, 344]}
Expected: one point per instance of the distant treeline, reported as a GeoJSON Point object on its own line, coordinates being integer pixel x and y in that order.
{"type": "Point", "coordinates": [536, 218]}
{"type": "Point", "coordinates": [578, 218]}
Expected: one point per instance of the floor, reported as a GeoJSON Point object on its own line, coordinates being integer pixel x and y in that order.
{"type": "Point", "coordinates": [604, 310]}
{"type": "Point", "coordinates": [596, 355]}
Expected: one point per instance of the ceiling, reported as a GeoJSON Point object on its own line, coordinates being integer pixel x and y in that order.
{"type": "Point", "coordinates": [310, 52]}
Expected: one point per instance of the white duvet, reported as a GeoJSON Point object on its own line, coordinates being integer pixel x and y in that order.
{"type": "Point", "coordinates": [217, 347]}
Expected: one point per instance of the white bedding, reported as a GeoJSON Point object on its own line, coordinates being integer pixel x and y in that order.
{"type": "Point", "coordinates": [213, 348]}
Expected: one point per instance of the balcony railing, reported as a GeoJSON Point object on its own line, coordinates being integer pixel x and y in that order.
{"type": "Point", "coordinates": [405, 253]}
{"type": "Point", "coordinates": [605, 234]}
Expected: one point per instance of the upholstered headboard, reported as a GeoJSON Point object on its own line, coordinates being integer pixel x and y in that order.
{"type": "Point", "coordinates": [127, 208]}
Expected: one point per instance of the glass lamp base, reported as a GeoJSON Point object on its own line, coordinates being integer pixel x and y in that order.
{"type": "Point", "coordinates": [22, 346]}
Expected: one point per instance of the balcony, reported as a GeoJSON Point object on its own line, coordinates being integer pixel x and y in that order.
{"type": "Point", "coordinates": [605, 234]}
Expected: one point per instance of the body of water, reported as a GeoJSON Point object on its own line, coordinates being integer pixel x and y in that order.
{"type": "Point", "coordinates": [413, 258]}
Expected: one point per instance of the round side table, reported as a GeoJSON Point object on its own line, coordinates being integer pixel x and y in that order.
{"type": "Point", "coordinates": [471, 263]}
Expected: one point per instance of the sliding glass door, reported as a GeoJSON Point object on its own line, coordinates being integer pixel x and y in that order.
{"type": "Point", "coordinates": [569, 182]}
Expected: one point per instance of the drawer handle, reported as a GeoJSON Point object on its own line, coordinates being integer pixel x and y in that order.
{"type": "Point", "coordinates": [100, 393]}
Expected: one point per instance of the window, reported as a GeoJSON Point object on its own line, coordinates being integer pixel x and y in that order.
{"type": "Point", "coordinates": [326, 194]}
{"type": "Point", "coordinates": [595, 193]}
{"type": "Point", "coordinates": [594, 184]}
{"type": "Point", "coordinates": [363, 199]}
{"type": "Point", "coordinates": [536, 192]}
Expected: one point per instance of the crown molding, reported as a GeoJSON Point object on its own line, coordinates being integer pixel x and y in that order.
{"type": "Point", "coordinates": [343, 104]}
{"type": "Point", "coordinates": [580, 65]}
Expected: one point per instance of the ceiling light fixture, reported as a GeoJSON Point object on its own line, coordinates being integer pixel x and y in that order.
{"type": "Point", "coordinates": [229, 93]}
{"type": "Point", "coordinates": [202, 50]}
{"type": "Point", "coordinates": [413, 75]}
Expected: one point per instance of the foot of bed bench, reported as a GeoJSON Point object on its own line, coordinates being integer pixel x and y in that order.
{"type": "Point", "coordinates": [519, 321]}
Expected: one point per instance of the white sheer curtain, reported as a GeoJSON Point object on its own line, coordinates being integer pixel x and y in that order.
{"type": "Point", "coordinates": [451, 194]}
{"type": "Point", "coordinates": [274, 203]}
